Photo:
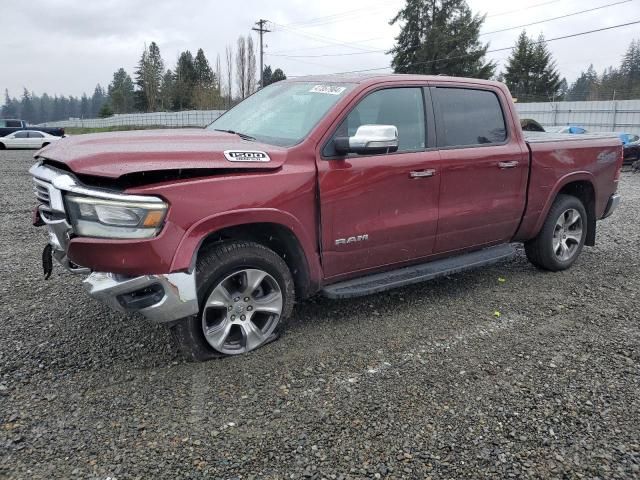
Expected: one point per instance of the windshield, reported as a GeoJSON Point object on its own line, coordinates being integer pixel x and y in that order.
{"type": "Point", "coordinates": [282, 113]}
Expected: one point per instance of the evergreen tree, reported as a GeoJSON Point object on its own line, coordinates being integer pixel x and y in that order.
{"type": "Point", "coordinates": [167, 90]}
{"type": "Point", "coordinates": [97, 100]}
{"type": "Point", "coordinates": [27, 109]}
{"type": "Point", "coordinates": [121, 94]}
{"type": "Point", "coordinates": [149, 76]}
{"type": "Point", "coordinates": [85, 106]}
{"type": "Point", "coordinates": [530, 72]}
{"type": "Point", "coordinates": [278, 75]}
{"type": "Point", "coordinates": [440, 37]}
{"type": "Point", "coordinates": [205, 93]}
{"type": "Point", "coordinates": [585, 87]}
{"type": "Point", "coordinates": [185, 81]}
{"type": "Point", "coordinates": [10, 109]}
{"type": "Point", "coordinates": [630, 70]}
{"type": "Point", "coordinates": [266, 75]}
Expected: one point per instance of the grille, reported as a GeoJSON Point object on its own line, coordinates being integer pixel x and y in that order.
{"type": "Point", "coordinates": [41, 190]}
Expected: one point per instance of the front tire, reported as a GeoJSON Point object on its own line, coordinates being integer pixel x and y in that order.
{"type": "Point", "coordinates": [245, 292]}
{"type": "Point", "coordinates": [562, 237]}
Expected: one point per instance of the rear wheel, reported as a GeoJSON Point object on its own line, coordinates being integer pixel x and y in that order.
{"type": "Point", "coordinates": [2, 146]}
{"type": "Point", "coordinates": [245, 292]}
{"type": "Point", "coordinates": [562, 237]}
{"type": "Point", "coordinates": [44, 144]}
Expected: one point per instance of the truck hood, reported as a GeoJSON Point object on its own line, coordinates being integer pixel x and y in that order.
{"type": "Point", "coordinates": [116, 154]}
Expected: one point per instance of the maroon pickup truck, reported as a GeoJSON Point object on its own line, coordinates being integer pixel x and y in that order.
{"type": "Point", "coordinates": [341, 185]}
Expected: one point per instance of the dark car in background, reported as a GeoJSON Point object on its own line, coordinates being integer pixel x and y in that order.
{"type": "Point", "coordinates": [8, 126]}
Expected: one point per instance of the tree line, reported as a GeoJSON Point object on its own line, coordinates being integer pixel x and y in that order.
{"type": "Point", "coordinates": [442, 37]}
{"type": "Point", "coordinates": [436, 37]}
{"type": "Point", "coordinates": [192, 84]}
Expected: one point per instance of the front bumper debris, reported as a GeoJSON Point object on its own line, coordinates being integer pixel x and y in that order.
{"type": "Point", "coordinates": [160, 298]}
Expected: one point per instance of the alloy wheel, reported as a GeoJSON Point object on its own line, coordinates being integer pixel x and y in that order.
{"type": "Point", "coordinates": [567, 235]}
{"type": "Point", "coordinates": [242, 311]}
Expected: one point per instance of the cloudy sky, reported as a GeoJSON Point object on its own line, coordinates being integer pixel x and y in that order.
{"type": "Point", "coordinates": [68, 46]}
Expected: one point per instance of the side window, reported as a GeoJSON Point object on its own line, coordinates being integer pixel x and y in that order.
{"type": "Point", "coordinates": [14, 123]}
{"type": "Point", "coordinates": [402, 107]}
{"type": "Point", "coordinates": [22, 135]}
{"type": "Point", "coordinates": [469, 117]}
{"type": "Point", "coordinates": [35, 135]}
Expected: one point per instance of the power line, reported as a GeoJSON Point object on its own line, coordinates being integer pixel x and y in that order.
{"type": "Point", "coordinates": [453, 40]}
{"type": "Point", "coordinates": [521, 9]}
{"type": "Point", "coordinates": [323, 39]}
{"type": "Point", "coordinates": [557, 18]}
{"type": "Point", "coordinates": [635, 22]}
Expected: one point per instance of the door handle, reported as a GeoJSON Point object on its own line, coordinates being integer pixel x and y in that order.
{"type": "Point", "coordinates": [422, 173]}
{"type": "Point", "coordinates": [511, 164]}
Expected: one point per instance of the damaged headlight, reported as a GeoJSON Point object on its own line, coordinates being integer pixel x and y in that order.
{"type": "Point", "coordinates": [97, 217]}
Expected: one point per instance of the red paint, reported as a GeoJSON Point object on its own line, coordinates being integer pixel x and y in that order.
{"type": "Point", "coordinates": [468, 202]}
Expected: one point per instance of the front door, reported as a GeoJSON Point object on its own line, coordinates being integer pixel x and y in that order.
{"type": "Point", "coordinates": [379, 210]}
{"type": "Point", "coordinates": [484, 175]}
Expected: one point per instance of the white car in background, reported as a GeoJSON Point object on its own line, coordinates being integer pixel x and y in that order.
{"type": "Point", "coordinates": [27, 139]}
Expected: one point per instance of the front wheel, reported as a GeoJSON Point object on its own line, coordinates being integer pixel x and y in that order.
{"type": "Point", "coordinates": [245, 291]}
{"type": "Point", "coordinates": [562, 237]}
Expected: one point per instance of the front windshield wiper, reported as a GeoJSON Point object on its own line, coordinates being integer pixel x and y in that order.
{"type": "Point", "coordinates": [243, 136]}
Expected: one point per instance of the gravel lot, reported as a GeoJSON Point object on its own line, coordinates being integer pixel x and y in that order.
{"type": "Point", "coordinates": [421, 382]}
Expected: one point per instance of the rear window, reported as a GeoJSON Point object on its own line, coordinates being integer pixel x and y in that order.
{"type": "Point", "coordinates": [13, 123]}
{"type": "Point", "coordinates": [469, 117]}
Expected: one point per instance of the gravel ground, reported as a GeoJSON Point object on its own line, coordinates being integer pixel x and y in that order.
{"type": "Point", "coordinates": [421, 382]}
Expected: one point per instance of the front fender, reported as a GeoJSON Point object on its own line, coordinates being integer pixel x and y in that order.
{"type": "Point", "coordinates": [186, 254]}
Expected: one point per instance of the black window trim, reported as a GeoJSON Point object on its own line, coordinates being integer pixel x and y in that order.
{"type": "Point", "coordinates": [439, 120]}
{"type": "Point", "coordinates": [429, 120]}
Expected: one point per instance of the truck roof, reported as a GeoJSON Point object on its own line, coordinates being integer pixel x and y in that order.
{"type": "Point", "coordinates": [370, 78]}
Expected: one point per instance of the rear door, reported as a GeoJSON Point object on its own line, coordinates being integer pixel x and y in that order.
{"type": "Point", "coordinates": [485, 168]}
{"type": "Point", "coordinates": [36, 139]}
{"type": "Point", "coordinates": [379, 210]}
{"type": "Point", "coordinates": [20, 139]}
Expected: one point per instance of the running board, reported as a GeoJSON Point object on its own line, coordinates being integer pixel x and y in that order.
{"type": "Point", "coordinates": [379, 282]}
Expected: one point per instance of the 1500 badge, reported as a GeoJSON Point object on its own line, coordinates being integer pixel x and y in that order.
{"type": "Point", "coordinates": [246, 156]}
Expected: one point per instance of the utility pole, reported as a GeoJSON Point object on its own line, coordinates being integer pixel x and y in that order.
{"type": "Point", "coordinates": [261, 31]}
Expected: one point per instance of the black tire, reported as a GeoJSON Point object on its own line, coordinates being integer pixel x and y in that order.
{"type": "Point", "coordinates": [540, 250]}
{"type": "Point", "coordinates": [214, 266]}
{"type": "Point", "coordinates": [44, 144]}
{"type": "Point", "coordinates": [2, 146]}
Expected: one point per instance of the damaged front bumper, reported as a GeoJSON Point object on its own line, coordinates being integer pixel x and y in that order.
{"type": "Point", "coordinates": [160, 298]}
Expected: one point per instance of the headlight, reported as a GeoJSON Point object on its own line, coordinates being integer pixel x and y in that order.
{"type": "Point", "coordinates": [97, 217]}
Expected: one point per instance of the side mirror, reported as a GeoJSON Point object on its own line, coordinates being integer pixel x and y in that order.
{"type": "Point", "coordinates": [369, 139]}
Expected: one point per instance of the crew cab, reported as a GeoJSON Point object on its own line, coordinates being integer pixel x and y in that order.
{"type": "Point", "coordinates": [340, 185]}
{"type": "Point", "coordinates": [9, 126]}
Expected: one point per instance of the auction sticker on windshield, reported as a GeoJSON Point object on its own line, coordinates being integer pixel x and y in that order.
{"type": "Point", "coordinates": [328, 89]}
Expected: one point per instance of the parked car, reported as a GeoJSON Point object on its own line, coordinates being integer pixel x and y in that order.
{"type": "Point", "coordinates": [8, 126]}
{"type": "Point", "coordinates": [530, 125]}
{"type": "Point", "coordinates": [343, 185]}
{"type": "Point", "coordinates": [631, 152]}
{"type": "Point", "coordinates": [569, 129]}
{"type": "Point", "coordinates": [628, 137]}
{"type": "Point", "coordinates": [27, 139]}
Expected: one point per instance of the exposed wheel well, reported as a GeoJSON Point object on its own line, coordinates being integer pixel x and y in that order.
{"type": "Point", "coordinates": [2, 146]}
{"type": "Point", "coordinates": [276, 237]}
{"type": "Point", "coordinates": [587, 195]}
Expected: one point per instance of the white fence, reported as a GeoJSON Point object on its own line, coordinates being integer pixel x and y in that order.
{"type": "Point", "coordinates": [191, 118]}
{"type": "Point", "coordinates": [608, 116]}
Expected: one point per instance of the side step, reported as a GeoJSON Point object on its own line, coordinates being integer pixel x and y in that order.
{"type": "Point", "coordinates": [379, 282]}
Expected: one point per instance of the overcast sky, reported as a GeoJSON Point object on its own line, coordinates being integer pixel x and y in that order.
{"type": "Point", "coordinates": [68, 46]}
